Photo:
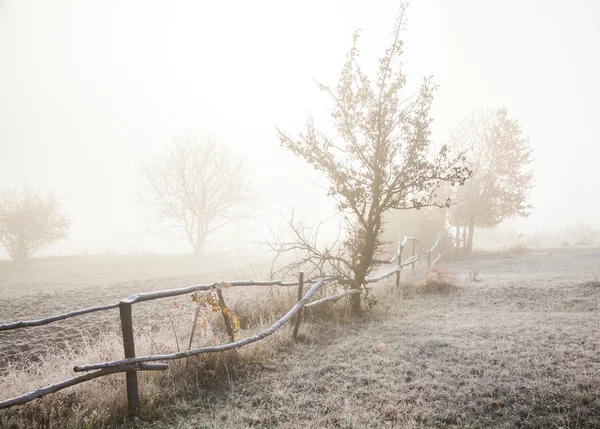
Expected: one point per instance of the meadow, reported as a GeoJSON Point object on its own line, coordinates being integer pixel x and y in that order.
{"type": "Point", "coordinates": [506, 340]}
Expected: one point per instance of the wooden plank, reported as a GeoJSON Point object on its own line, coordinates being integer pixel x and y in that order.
{"type": "Point", "coordinates": [211, 349]}
{"type": "Point", "coordinates": [22, 399]}
{"type": "Point", "coordinates": [133, 396]}
{"type": "Point", "coordinates": [299, 314]}
{"type": "Point", "coordinates": [225, 316]}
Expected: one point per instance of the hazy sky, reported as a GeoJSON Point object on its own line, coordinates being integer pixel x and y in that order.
{"type": "Point", "coordinates": [88, 89]}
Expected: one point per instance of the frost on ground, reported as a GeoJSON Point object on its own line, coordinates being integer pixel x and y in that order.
{"type": "Point", "coordinates": [518, 348]}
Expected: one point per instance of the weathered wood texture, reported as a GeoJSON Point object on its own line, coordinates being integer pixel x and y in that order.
{"type": "Point", "coordinates": [225, 316]}
{"type": "Point", "coordinates": [133, 396]}
{"type": "Point", "coordinates": [299, 314]}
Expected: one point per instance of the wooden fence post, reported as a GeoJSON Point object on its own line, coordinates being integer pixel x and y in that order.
{"type": "Point", "coordinates": [414, 248]}
{"type": "Point", "coordinates": [398, 287]}
{"type": "Point", "coordinates": [225, 316]}
{"type": "Point", "coordinates": [133, 396]}
{"type": "Point", "coordinates": [299, 314]}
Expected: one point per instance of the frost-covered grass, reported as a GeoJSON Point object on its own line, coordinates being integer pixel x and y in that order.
{"type": "Point", "coordinates": [519, 347]}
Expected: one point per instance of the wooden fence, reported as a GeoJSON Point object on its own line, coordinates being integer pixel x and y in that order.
{"type": "Point", "coordinates": [131, 364]}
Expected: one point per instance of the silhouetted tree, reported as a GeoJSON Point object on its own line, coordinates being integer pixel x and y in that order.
{"type": "Point", "coordinates": [196, 188]}
{"type": "Point", "coordinates": [498, 156]}
{"type": "Point", "coordinates": [382, 159]}
{"type": "Point", "coordinates": [30, 221]}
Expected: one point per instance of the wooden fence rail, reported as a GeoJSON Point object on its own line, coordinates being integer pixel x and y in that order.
{"type": "Point", "coordinates": [147, 296]}
{"type": "Point", "coordinates": [132, 363]}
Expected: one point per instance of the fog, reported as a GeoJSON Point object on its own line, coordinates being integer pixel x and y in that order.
{"type": "Point", "coordinates": [89, 90]}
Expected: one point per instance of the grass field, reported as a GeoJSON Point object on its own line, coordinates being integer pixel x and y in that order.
{"type": "Point", "coordinates": [50, 286]}
{"type": "Point", "coordinates": [519, 347]}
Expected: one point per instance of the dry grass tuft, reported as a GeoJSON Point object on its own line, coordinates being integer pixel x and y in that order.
{"type": "Point", "coordinates": [437, 281]}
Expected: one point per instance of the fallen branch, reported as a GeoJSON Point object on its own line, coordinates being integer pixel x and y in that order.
{"type": "Point", "coordinates": [211, 349]}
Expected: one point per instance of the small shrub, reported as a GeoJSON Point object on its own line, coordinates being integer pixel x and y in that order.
{"type": "Point", "coordinates": [518, 248]}
{"type": "Point", "coordinates": [437, 281]}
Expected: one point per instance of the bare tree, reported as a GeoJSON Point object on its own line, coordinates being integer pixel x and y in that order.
{"type": "Point", "coordinates": [382, 158]}
{"type": "Point", "coordinates": [196, 188]}
{"type": "Point", "coordinates": [499, 156]}
{"type": "Point", "coordinates": [30, 221]}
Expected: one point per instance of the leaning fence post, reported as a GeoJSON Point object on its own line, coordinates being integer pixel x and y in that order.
{"type": "Point", "coordinates": [133, 396]}
{"type": "Point", "coordinates": [299, 313]}
{"type": "Point", "coordinates": [225, 316]}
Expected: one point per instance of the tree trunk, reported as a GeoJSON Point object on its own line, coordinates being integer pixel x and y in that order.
{"type": "Point", "coordinates": [457, 239]}
{"type": "Point", "coordinates": [366, 253]}
{"type": "Point", "coordinates": [469, 247]}
{"type": "Point", "coordinates": [359, 278]}
{"type": "Point", "coordinates": [356, 301]}
{"type": "Point", "coordinates": [197, 251]}
{"type": "Point", "coordinates": [198, 244]}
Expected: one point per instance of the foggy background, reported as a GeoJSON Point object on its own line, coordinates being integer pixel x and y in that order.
{"type": "Point", "coordinates": [89, 90]}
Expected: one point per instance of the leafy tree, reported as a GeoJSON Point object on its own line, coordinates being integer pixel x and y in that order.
{"type": "Point", "coordinates": [498, 157]}
{"type": "Point", "coordinates": [196, 188]}
{"type": "Point", "coordinates": [30, 221]}
{"type": "Point", "coordinates": [381, 159]}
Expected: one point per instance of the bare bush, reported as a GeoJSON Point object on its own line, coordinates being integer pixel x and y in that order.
{"type": "Point", "coordinates": [437, 281]}
{"type": "Point", "coordinates": [30, 221]}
